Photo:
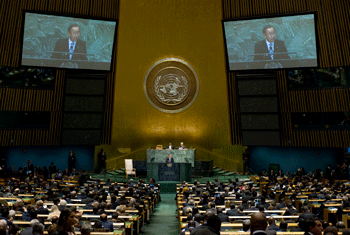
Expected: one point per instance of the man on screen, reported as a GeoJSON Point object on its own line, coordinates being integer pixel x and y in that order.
{"type": "Point", "coordinates": [71, 48]}
{"type": "Point", "coordinates": [266, 49]}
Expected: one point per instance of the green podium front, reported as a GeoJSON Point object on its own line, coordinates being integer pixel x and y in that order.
{"type": "Point", "coordinates": [169, 171]}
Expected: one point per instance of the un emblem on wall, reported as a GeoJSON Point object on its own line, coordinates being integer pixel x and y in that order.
{"type": "Point", "coordinates": [171, 85]}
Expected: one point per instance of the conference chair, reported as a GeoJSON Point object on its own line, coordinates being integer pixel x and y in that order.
{"type": "Point", "coordinates": [129, 169]}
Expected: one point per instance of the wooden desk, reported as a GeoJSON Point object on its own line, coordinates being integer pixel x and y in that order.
{"type": "Point", "coordinates": [110, 211]}
{"type": "Point", "coordinates": [314, 206]}
{"type": "Point", "coordinates": [299, 203]}
{"type": "Point", "coordinates": [248, 233]}
{"type": "Point", "coordinates": [267, 211]}
{"type": "Point", "coordinates": [327, 212]}
{"type": "Point", "coordinates": [115, 232]}
{"type": "Point", "coordinates": [345, 219]}
{"type": "Point", "coordinates": [225, 226]}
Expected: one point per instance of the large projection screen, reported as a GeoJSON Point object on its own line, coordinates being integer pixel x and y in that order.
{"type": "Point", "coordinates": [274, 42]}
{"type": "Point", "coordinates": [67, 42]}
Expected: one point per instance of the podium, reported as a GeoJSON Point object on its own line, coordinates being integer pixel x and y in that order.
{"type": "Point", "coordinates": [72, 64]}
{"type": "Point", "coordinates": [169, 171]}
{"type": "Point", "coordinates": [261, 64]}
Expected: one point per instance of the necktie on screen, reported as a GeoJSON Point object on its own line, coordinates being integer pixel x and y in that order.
{"type": "Point", "coordinates": [271, 50]}
{"type": "Point", "coordinates": [71, 50]}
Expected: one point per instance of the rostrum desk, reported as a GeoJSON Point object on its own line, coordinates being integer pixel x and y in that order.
{"type": "Point", "coordinates": [180, 170]}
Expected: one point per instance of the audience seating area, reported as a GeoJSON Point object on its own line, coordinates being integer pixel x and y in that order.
{"type": "Point", "coordinates": [292, 199]}
{"type": "Point", "coordinates": [128, 206]}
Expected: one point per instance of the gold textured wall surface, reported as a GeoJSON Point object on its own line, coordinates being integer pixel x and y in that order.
{"type": "Point", "coordinates": [190, 30]}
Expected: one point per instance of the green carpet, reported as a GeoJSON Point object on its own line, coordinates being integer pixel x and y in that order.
{"type": "Point", "coordinates": [163, 219]}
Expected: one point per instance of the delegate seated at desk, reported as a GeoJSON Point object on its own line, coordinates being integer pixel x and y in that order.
{"type": "Point", "coordinates": [182, 146]}
{"type": "Point", "coordinates": [169, 159]}
{"type": "Point", "coordinates": [265, 49]}
{"type": "Point", "coordinates": [170, 146]}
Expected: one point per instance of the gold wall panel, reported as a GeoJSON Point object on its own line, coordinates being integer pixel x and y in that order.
{"type": "Point", "coordinates": [185, 29]}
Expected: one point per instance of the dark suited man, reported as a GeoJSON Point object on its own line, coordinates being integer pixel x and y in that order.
{"type": "Point", "coordinates": [272, 224]}
{"type": "Point", "coordinates": [71, 48]}
{"type": "Point", "coordinates": [30, 167]}
{"type": "Point", "coordinates": [258, 223]}
{"type": "Point", "coordinates": [169, 159]}
{"type": "Point", "coordinates": [71, 161]}
{"type": "Point", "coordinates": [306, 214]}
{"type": "Point", "coordinates": [52, 169]}
{"type": "Point", "coordinates": [246, 158]}
{"type": "Point", "coordinates": [223, 217]}
{"type": "Point", "coordinates": [313, 226]}
{"type": "Point", "coordinates": [170, 146]}
{"type": "Point", "coordinates": [101, 157]}
{"type": "Point", "coordinates": [269, 46]}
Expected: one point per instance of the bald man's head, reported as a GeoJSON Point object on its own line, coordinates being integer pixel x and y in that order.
{"type": "Point", "coordinates": [258, 221]}
{"type": "Point", "coordinates": [103, 217]}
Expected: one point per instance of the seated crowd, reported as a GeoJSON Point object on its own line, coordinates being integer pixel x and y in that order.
{"type": "Point", "coordinates": [35, 204]}
{"type": "Point", "coordinates": [274, 198]}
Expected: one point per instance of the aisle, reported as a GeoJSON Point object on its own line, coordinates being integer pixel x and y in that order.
{"type": "Point", "coordinates": [163, 220]}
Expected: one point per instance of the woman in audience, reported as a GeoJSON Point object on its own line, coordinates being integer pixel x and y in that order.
{"type": "Point", "coordinates": [66, 223]}
{"type": "Point", "coordinates": [54, 212]}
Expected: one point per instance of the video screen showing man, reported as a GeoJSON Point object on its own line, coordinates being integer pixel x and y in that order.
{"type": "Point", "coordinates": [71, 48]}
{"type": "Point", "coordinates": [271, 48]}
{"type": "Point", "coordinates": [272, 42]}
{"type": "Point", "coordinates": [57, 41]}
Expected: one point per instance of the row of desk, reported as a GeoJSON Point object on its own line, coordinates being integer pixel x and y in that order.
{"type": "Point", "coordinates": [131, 220]}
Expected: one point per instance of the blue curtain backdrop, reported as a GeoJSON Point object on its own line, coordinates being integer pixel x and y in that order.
{"type": "Point", "coordinates": [290, 159]}
{"type": "Point", "coordinates": [44, 155]}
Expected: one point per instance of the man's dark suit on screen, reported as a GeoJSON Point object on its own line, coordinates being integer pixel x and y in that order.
{"type": "Point", "coordinates": [62, 45]}
{"type": "Point", "coordinates": [261, 48]}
